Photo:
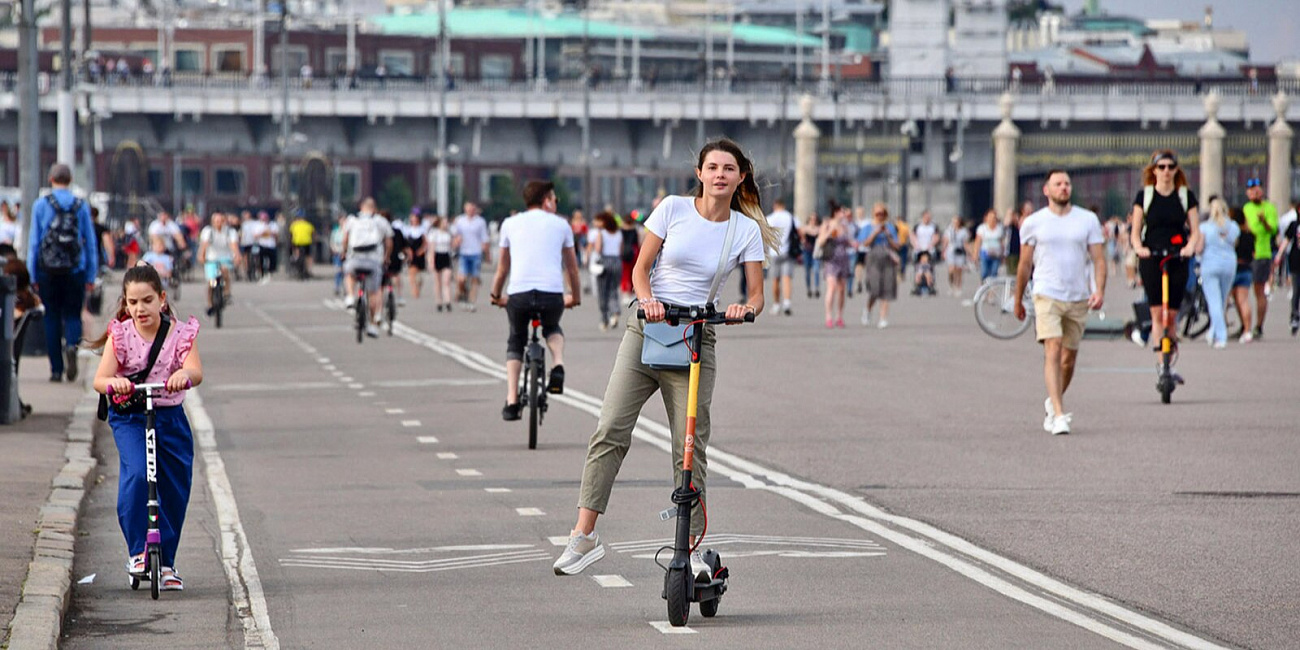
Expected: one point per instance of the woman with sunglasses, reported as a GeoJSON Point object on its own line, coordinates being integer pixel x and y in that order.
{"type": "Point", "coordinates": [1165, 218]}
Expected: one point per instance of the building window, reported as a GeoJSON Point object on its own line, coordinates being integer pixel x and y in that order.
{"type": "Point", "coordinates": [154, 183]}
{"type": "Point", "coordinates": [336, 60]}
{"type": "Point", "coordinates": [228, 58]}
{"type": "Point", "coordinates": [228, 181]}
{"type": "Point", "coordinates": [457, 68]}
{"type": "Point", "coordinates": [191, 181]}
{"type": "Point", "coordinates": [500, 181]}
{"type": "Point", "coordinates": [277, 181]}
{"type": "Point", "coordinates": [188, 60]}
{"type": "Point", "coordinates": [497, 66]}
{"type": "Point", "coordinates": [297, 58]}
{"type": "Point", "coordinates": [348, 185]}
{"type": "Point", "coordinates": [397, 63]}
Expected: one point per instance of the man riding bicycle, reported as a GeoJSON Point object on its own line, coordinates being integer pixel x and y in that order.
{"type": "Point", "coordinates": [539, 243]}
{"type": "Point", "coordinates": [218, 252]}
{"type": "Point", "coordinates": [367, 242]}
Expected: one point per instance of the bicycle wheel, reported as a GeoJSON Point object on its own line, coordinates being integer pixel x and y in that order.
{"type": "Point", "coordinates": [176, 288]}
{"type": "Point", "coordinates": [219, 304]}
{"type": "Point", "coordinates": [995, 309]}
{"type": "Point", "coordinates": [360, 309]}
{"type": "Point", "coordinates": [1195, 316]}
{"type": "Point", "coordinates": [390, 311]}
{"type": "Point", "coordinates": [534, 401]}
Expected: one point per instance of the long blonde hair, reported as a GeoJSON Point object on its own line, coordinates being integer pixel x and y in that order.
{"type": "Point", "coordinates": [746, 199]}
{"type": "Point", "coordinates": [1218, 212]}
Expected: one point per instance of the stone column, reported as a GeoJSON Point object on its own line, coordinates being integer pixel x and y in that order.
{"type": "Point", "coordinates": [1279, 155]}
{"type": "Point", "coordinates": [805, 162]}
{"type": "Point", "coordinates": [1005, 137]}
{"type": "Point", "coordinates": [1211, 134]}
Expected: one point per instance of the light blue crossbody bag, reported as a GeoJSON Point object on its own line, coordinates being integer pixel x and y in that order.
{"type": "Point", "coordinates": [664, 346]}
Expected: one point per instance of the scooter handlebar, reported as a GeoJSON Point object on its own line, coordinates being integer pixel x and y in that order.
{"type": "Point", "coordinates": [674, 314]}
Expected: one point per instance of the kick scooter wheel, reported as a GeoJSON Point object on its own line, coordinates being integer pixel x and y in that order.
{"type": "Point", "coordinates": [155, 573]}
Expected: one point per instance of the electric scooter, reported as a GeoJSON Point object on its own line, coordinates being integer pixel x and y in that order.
{"type": "Point", "coordinates": [153, 538]}
{"type": "Point", "coordinates": [681, 588]}
{"type": "Point", "coordinates": [1167, 381]}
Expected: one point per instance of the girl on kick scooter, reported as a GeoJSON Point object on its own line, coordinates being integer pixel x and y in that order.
{"type": "Point", "coordinates": [685, 237]}
{"type": "Point", "coordinates": [129, 352]}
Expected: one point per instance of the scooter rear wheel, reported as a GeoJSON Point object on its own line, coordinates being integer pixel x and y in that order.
{"type": "Point", "coordinates": [679, 585]}
{"type": "Point", "coordinates": [709, 608]}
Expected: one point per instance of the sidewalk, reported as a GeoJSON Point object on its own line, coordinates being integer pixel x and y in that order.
{"type": "Point", "coordinates": [33, 452]}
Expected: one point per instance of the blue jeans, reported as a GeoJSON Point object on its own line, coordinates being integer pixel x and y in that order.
{"type": "Point", "coordinates": [812, 271]}
{"type": "Point", "coordinates": [1216, 281]}
{"type": "Point", "coordinates": [175, 455]}
{"type": "Point", "coordinates": [988, 266]}
{"type": "Point", "coordinates": [63, 296]}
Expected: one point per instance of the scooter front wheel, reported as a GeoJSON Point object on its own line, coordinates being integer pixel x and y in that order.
{"type": "Point", "coordinates": [155, 573]}
{"type": "Point", "coordinates": [679, 586]}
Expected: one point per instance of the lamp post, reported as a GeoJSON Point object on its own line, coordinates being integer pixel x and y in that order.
{"type": "Point", "coordinates": [284, 109]}
{"type": "Point", "coordinates": [586, 108]}
{"type": "Point", "coordinates": [444, 58]}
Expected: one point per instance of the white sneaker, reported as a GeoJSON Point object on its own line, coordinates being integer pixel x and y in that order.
{"type": "Point", "coordinates": [882, 324]}
{"type": "Point", "coordinates": [1247, 338]}
{"type": "Point", "coordinates": [1061, 424]}
{"type": "Point", "coordinates": [401, 302]}
{"type": "Point", "coordinates": [698, 566]}
{"type": "Point", "coordinates": [1047, 419]}
{"type": "Point", "coordinates": [866, 317]}
{"type": "Point", "coordinates": [349, 302]}
{"type": "Point", "coordinates": [1219, 345]}
{"type": "Point", "coordinates": [581, 552]}
{"type": "Point", "coordinates": [372, 331]}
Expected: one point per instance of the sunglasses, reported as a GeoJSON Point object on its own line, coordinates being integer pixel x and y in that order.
{"type": "Point", "coordinates": [1254, 182]}
{"type": "Point", "coordinates": [1166, 167]}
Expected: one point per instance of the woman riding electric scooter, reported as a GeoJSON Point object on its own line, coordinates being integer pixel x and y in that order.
{"type": "Point", "coordinates": [684, 239]}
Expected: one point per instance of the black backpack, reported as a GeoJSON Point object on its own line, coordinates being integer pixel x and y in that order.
{"type": "Point", "coordinates": [794, 241]}
{"type": "Point", "coordinates": [60, 252]}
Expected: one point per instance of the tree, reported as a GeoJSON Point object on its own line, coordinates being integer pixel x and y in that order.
{"type": "Point", "coordinates": [563, 197]}
{"type": "Point", "coordinates": [396, 196]}
{"type": "Point", "coordinates": [503, 197]}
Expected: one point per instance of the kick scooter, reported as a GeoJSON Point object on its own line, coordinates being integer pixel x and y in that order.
{"type": "Point", "coordinates": [680, 587]}
{"type": "Point", "coordinates": [153, 538]}
{"type": "Point", "coordinates": [1167, 380]}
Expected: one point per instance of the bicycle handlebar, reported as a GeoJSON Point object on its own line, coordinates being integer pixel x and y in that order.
{"type": "Point", "coordinates": [674, 314]}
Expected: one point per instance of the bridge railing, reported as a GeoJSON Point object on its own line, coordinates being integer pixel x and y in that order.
{"type": "Point", "coordinates": [911, 87]}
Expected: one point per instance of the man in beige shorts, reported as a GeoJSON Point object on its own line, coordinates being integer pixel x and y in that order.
{"type": "Point", "coordinates": [1058, 244]}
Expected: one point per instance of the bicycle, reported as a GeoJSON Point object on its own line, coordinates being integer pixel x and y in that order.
{"type": "Point", "coordinates": [681, 588]}
{"type": "Point", "coordinates": [390, 304]}
{"type": "Point", "coordinates": [532, 389]}
{"type": "Point", "coordinates": [1195, 316]}
{"type": "Point", "coordinates": [995, 308]}
{"type": "Point", "coordinates": [362, 306]}
{"type": "Point", "coordinates": [153, 537]}
{"type": "Point", "coordinates": [217, 294]}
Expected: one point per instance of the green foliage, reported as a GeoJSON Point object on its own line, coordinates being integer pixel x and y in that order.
{"type": "Point", "coordinates": [396, 196]}
{"type": "Point", "coordinates": [564, 197]}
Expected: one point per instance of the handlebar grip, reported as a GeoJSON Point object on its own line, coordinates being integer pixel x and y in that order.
{"type": "Point", "coordinates": [749, 317]}
{"type": "Point", "coordinates": [640, 314]}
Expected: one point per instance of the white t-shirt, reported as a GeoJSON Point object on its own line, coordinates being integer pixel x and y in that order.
{"type": "Point", "coordinates": [611, 243]}
{"type": "Point", "coordinates": [783, 222]}
{"type": "Point", "coordinates": [249, 232]}
{"type": "Point", "coordinates": [692, 244]}
{"type": "Point", "coordinates": [924, 237]}
{"type": "Point", "coordinates": [440, 240]}
{"type": "Point", "coordinates": [269, 235]}
{"type": "Point", "coordinates": [367, 230]}
{"type": "Point", "coordinates": [166, 231]}
{"type": "Point", "coordinates": [8, 231]}
{"type": "Point", "coordinates": [414, 233]}
{"type": "Point", "coordinates": [473, 233]}
{"type": "Point", "coordinates": [536, 240]}
{"type": "Point", "coordinates": [1062, 265]}
{"type": "Point", "coordinates": [990, 239]}
{"type": "Point", "coordinates": [218, 242]}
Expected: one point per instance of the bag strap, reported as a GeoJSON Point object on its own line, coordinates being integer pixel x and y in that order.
{"type": "Point", "coordinates": [726, 254]}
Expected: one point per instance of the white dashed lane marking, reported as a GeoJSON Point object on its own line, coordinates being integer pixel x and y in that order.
{"type": "Point", "coordinates": [429, 440]}
{"type": "Point", "coordinates": [530, 512]}
{"type": "Point", "coordinates": [394, 411]}
{"type": "Point", "coordinates": [410, 423]}
{"type": "Point", "coordinates": [447, 455]}
{"type": "Point", "coordinates": [611, 582]}
{"type": "Point", "coordinates": [366, 393]}
{"type": "Point", "coordinates": [469, 472]}
{"type": "Point", "coordinates": [666, 628]}
{"type": "Point", "coordinates": [497, 491]}
{"type": "Point", "coordinates": [356, 386]}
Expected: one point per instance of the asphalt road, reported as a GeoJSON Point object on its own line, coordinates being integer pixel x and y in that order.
{"type": "Point", "coordinates": [870, 488]}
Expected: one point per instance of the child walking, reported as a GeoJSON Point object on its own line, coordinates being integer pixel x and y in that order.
{"type": "Point", "coordinates": [142, 314]}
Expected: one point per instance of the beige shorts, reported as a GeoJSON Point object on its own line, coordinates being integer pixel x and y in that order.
{"type": "Point", "coordinates": [1054, 319]}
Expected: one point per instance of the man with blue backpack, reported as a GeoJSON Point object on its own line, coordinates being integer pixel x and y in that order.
{"type": "Point", "coordinates": [61, 259]}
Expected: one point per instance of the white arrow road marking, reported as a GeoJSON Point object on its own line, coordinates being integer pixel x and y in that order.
{"type": "Point", "coordinates": [1003, 575]}
{"type": "Point", "coordinates": [664, 627]}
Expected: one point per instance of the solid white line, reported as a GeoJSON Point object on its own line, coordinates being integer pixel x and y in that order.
{"type": "Point", "coordinates": [447, 455]}
{"type": "Point", "coordinates": [410, 423]}
{"type": "Point", "coordinates": [236, 554]}
{"type": "Point", "coordinates": [428, 440]}
{"type": "Point", "coordinates": [530, 512]}
{"type": "Point", "coordinates": [260, 388]}
{"type": "Point", "coordinates": [812, 495]}
{"type": "Point", "coordinates": [449, 561]}
{"type": "Point", "coordinates": [496, 490]}
{"type": "Point", "coordinates": [382, 550]}
{"type": "Point", "coordinates": [611, 582]}
{"type": "Point", "coordinates": [666, 628]}
{"type": "Point", "coordinates": [426, 383]}
{"type": "Point", "coordinates": [476, 565]}
{"type": "Point", "coordinates": [469, 472]}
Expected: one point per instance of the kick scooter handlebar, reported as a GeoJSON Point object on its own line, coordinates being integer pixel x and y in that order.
{"type": "Point", "coordinates": [674, 315]}
{"type": "Point", "coordinates": [135, 388]}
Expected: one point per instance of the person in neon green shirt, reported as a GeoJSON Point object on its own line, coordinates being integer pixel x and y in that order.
{"type": "Point", "coordinates": [1261, 219]}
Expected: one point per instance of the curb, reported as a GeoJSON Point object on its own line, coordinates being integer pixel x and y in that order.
{"type": "Point", "coordinates": [38, 619]}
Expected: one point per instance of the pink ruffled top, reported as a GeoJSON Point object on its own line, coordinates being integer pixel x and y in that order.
{"type": "Point", "coordinates": [132, 352]}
